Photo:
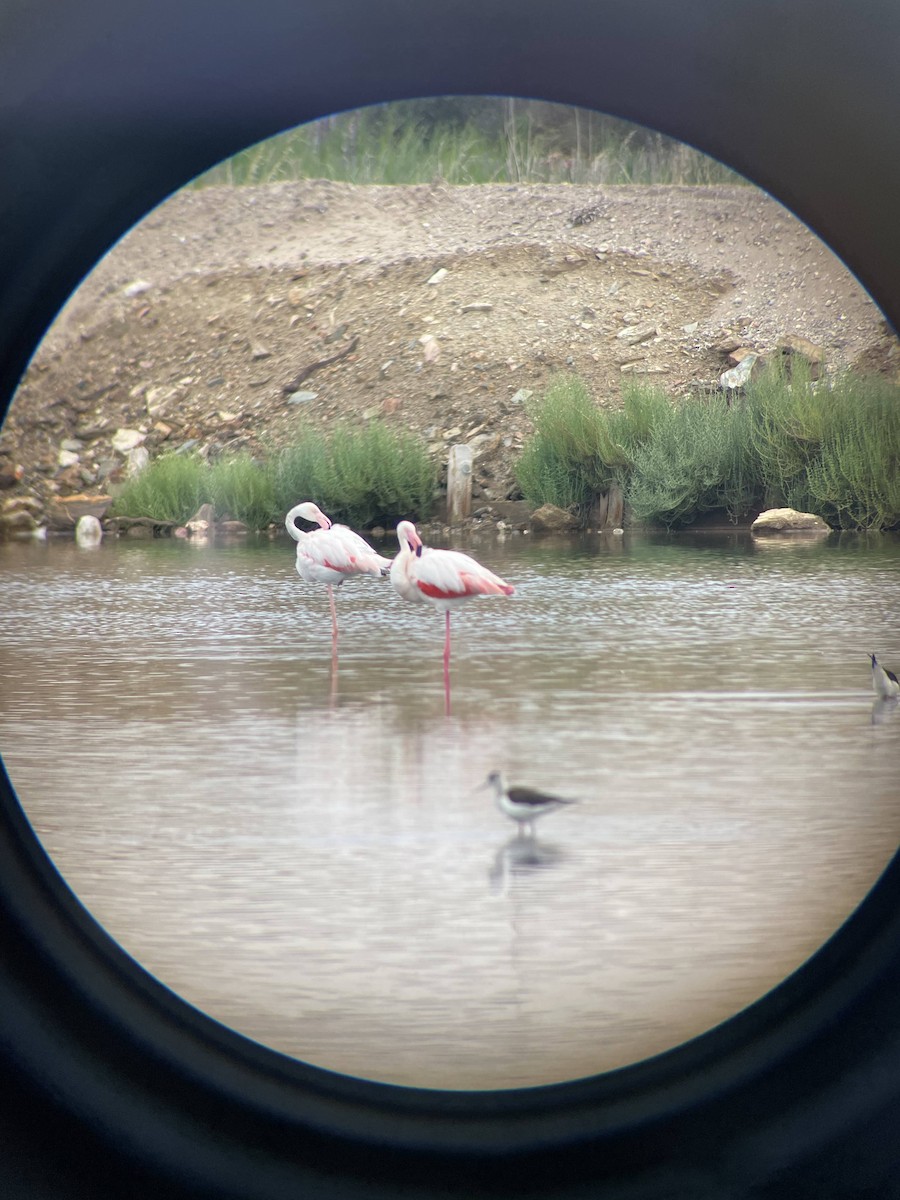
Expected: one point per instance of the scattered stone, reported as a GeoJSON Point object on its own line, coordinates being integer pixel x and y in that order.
{"type": "Point", "coordinates": [65, 511]}
{"type": "Point", "coordinates": [788, 520]}
{"type": "Point", "coordinates": [391, 404]}
{"type": "Point", "coordinates": [481, 307]}
{"type": "Point", "coordinates": [793, 346]}
{"type": "Point", "coordinates": [633, 335]}
{"type": "Point", "coordinates": [301, 397]}
{"type": "Point", "coordinates": [201, 522]}
{"type": "Point", "coordinates": [88, 531]}
{"type": "Point", "coordinates": [521, 396]}
{"type": "Point", "coordinates": [232, 528]}
{"type": "Point", "coordinates": [740, 375]}
{"type": "Point", "coordinates": [138, 460]}
{"type": "Point", "coordinates": [438, 276]}
{"type": "Point", "coordinates": [67, 458]}
{"type": "Point", "coordinates": [259, 351]}
{"type": "Point", "coordinates": [138, 288]}
{"type": "Point", "coordinates": [17, 519]}
{"type": "Point", "coordinates": [124, 440]}
{"type": "Point", "coordinates": [484, 443]}
{"type": "Point", "coordinates": [691, 328]}
{"type": "Point", "coordinates": [431, 347]}
{"type": "Point", "coordinates": [72, 445]}
{"type": "Point", "coordinates": [550, 519]}
{"type": "Point", "coordinates": [13, 503]}
{"type": "Point", "coordinates": [10, 476]}
{"type": "Point", "coordinates": [156, 398]}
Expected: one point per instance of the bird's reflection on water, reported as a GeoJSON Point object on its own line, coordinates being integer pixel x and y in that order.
{"type": "Point", "coordinates": [522, 856]}
{"type": "Point", "coordinates": [884, 709]}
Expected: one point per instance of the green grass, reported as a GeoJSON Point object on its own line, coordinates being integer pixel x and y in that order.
{"type": "Point", "coordinates": [696, 461]}
{"type": "Point", "coordinates": [171, 488]}
{"type": "Point", "coordinates": [830, 450]}
{"type": "Point", "coordinates": [360, 476]}
{"type": "Point", "coordinates": [467, 141]}
{"type": "Point", "coordinates": [571, 456]}
{"type": "Point", "coordinates": [788, 441]}
{"type": "Point", "coordinates": [240, 488]}
{"type": "Point", "coordinates": [372, 475]}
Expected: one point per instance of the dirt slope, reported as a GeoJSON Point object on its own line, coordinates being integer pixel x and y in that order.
{"type": "Point", "coordinates": [230, 315]}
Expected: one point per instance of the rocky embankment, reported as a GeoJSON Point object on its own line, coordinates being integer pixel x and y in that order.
{"type": "Point", "coordinates": [230, 317]}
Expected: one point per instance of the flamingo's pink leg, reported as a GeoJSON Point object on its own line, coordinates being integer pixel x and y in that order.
{"type": "Point", "coordinates": [334, 625]}
{"type": "Point", "coordinates": [447, 661]}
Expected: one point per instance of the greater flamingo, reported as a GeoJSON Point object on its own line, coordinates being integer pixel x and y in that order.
{"type": "Point", "coordinates": [521, 804]}
{"type": "Point", "coordinates": [885, 683]}
{"type": "Point", "coordinates": [445, 578]}
{"type": "Point", "coordinates": [330, 554]}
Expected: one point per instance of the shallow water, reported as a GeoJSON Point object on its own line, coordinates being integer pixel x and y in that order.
{"type": "Point", "coordinates": [303, 853]}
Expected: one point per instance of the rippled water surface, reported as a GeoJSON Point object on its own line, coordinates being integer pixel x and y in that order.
{"type": "Point", "coordinates": [303, 853]}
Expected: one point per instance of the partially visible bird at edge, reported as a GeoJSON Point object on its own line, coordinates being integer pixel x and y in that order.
{"type": "Point", "coordinates": [885, 682]}
{"type": "Point", "coordinates": [331, 554]}
{"type": "Point", "coordinates": [445, 578]}
{"type": "Point", "coordinates": [521, 804]}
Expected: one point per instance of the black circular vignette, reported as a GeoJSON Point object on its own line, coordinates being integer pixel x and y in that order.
{"type": "Point", "coordinates": [111, 1085]}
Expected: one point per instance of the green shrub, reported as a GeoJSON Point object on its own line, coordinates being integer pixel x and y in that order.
{"type": "Point", "coordinates": [171, 488]}
{"type": "Point", "coordinates": [572, 455]}
{"type": "Point", "coordinates": [359, 476]}
{"type": "Point", "coordinates": [240, 488]}
{"type": "Point", "coordinates": [830, 449]}
{"type": "Point", "coordinates": [697, 459]}
{"type": "Point", "coordinates": [299, 472]}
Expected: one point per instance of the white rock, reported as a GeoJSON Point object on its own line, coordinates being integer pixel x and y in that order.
{"type": "Point", "coordinates": [67, 458]}
{"type": "Point", "coordinates": [740, 375]}
{"type": "Point", "coordinates": [138, 460]}
{"type": "Point", "coordinates": [438, 276]}
{"type": "Point", "coordinates": [431, 347]}
{"type": "Point", "coordinates": [788, 520]}
{"type": "Point", "coordinates": [633, 335]}
{"type": "Point", "coordinates": [137, 288]}
{"type": "Point", "coordinates": [124, 440]}
{"type": "Point", "coordinates": [88, 531]}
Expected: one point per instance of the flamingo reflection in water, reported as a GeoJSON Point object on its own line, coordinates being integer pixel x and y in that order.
{"type": "Point", "coordinates": [330, 554]}
{"type": "Point", "coordinates": [447, 579]}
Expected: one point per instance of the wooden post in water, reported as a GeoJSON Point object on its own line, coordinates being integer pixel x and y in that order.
{"type": "Point", "coordinates": [615, 508]}
{"type": "Point", "coordinates": [459, 484]}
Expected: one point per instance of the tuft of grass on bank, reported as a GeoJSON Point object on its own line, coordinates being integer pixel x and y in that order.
{"type": "Point", "coordinates": [361, 477]}
{"type": "Point", "coordinates": [171, 488]}
{"type": "Point", "coordinates": [832, 449]}
{"type": "Point", "coordinates": [468, 141]}
{"type": "Point", "coordinates": [372, 475]}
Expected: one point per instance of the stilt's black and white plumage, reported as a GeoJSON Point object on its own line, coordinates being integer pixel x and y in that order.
{"type": "Point", "coordinates": [522, 804]}
{"type": "Point", "coordinates": [885, 683]}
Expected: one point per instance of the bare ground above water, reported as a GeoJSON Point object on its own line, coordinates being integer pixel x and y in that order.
{"type": "Point", "coordinates": [228, 316]}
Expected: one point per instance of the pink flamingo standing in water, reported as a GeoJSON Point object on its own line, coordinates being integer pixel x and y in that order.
{"type": "Point", "coordinates": [445, 578]}
{"type": "Point", "coordinates": [330, 554]}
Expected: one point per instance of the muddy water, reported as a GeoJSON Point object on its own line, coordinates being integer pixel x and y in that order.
{"type": "Point", "coordinates": [303, 853]}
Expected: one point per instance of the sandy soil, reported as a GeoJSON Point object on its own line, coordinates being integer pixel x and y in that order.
{"type": "Point", "coordinates": [230, 315]}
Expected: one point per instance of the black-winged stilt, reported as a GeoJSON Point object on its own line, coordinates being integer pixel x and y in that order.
{"type": "Point", "coordinates": [521, 804]}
